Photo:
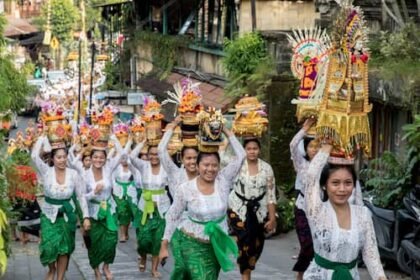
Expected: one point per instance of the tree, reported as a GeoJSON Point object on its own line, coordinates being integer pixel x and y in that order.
{"type": "Point", "coordinates": [63, 19]}
{"type": "Point", "coordinates": [248, 65]}
{"type": "Point", "coordinates": [13, 85]}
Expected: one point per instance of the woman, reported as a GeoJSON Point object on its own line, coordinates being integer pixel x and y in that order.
{"type": "Point", "coordinates": [196, 222]}
{"type": "Point", "coordinates": [251, 202]}
{"type": "Point", "coordinates": [340, 230]}
{"type": "Point", "coordinates": [124, 192]}
{"type": "Point", "coordinates": [301, 163]}
{"type": "Point", "coordinates": [188, 170]}
{"type": "Point", "coordinates": [153, 204]}
{"type": "Point", "coordinates": [104, 231]}
{"type": "Point", "coordinates": [58, 218]}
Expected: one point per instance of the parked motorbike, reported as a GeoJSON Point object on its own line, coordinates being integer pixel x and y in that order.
{"type": "Point", "coordinates": [412, 247]}
{"type": "Point", "coordinates": [394, 227]}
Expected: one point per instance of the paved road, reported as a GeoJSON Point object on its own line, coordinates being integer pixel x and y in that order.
{"type": "Point", "coordinates": [275, 263]}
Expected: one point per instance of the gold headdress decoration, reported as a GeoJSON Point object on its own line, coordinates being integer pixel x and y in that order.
{"type": "Point", "coordinates": [58, 130]}
{"type": "Point", "coordinates": [211, 127]}
{"type": "Point", "coordinates": [137, 129]}
{"type": "Point", "coordinates": [188, 98]}
{"type": "Point", "coordinates": [153, 119]}
{"type": "Point", "coordinates": [309, 64]}
{"type": "Point", "coordinates": [250, 119]}
{"type": "Point", "coordinates": [345, 105]}
{"type": "Point", "coordinates": [102, 123]}
{"type": "Point", "coordinates": [121, 132]}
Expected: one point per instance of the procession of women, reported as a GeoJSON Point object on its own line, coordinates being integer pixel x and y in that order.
{"type": "Point", "coordinates": [168, 182]}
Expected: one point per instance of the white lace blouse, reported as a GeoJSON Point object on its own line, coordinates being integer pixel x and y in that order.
{"type": "Point", "coordinates": [301, 165]}
{"type": "Point", "coordinates": [52, 189]}
{"type": "Point", "coordinates": [151, 181]}
{"type": "Point", "coordinates": [176, 175]}
{"type": "Point", "coordinates": [123, 176]}
{"type": "Point", "coordinates": [202, 207]}
{"type": "Point", "coordinates": [252, 187]}
{"type": "Point", "coordinates": [332, 242]}
{"type": "Point", "coordinates": [107, 171]}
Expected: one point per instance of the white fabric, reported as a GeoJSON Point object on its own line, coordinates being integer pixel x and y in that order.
{"type": "Point", "coordinates": [252, 187]}
{"type": "Point", "coordinates": [123, 176]}
{"type": "Point", "coordinates": [151, 181]}
{"type": "Point", "coordinates": [201, 207]}
{"type": "Point", "coordinates": [301, 167]}
{"type": "Point", "coordinates": [107, 171]}
{"type": "Point", "coordinates": [176, 175]}
{"type": "Point", "coordinates": [331, 241]}
{"type": "Point", "coordinates": [52, 189]}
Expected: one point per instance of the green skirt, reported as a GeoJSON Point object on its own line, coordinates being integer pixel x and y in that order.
{"type": "Point", "coordinates": [124, 211]}
{"type": "Point", "coordinates": [57, 239]}
{"type": "Point", "coordinates": [149, 235]}
{"type": "Point", "coordinates": [194, 260]}
{"type": "Point", "coordinates": [103, 244]}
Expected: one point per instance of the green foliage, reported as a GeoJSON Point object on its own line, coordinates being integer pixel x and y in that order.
{"type": "Point", "coordinates": [13, 86]}
{"type": "Point", "coordinates": [164, 49]}
{"type": "Point", "coordinates": [63, 20]}
{"type": "Point", "coordinates": [248, 65]}
{"type": "Point", "coordinates": [2, 27]}
{"type": "Point", "coordinates": [397, 57]}
{"type": "Point", "coordinates": [285, 208]}
{"type": "Point", "coordinates": [28, 69]}
{"type": "Point", "coordinates": [389, 178]}
{"type": "Point", "coordinates": [113, 72]}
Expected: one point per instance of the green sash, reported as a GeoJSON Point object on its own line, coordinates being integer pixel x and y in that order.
{"type": "Point", "coordinates": [149, 206]}
{"type": "Point", "coordinates": [223, 245]}
{"type": "Point", "coordinates": [124, 186]}
{"type": "Point", "coordinates": [65, 208]}
{"type": "Point", "coordinates": [341, 270]}
{"type": "Point", "coordinates": [105, 213]}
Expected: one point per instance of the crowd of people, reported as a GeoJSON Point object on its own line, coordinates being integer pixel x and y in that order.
{"type": "Point", "coordinates": [205, 215]}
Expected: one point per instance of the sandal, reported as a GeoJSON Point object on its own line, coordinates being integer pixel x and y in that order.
{"type": "Point", "coordinates": [156, 275]}
{"type": "Point", "coordinates": [142, 266]}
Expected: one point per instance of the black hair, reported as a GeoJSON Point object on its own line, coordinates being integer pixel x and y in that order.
{"type": "Point", "coordinates": [306, 142]}
{"type": "Point", "coordinates": [150, 147]}
{"type": "Point", "coordinates": [98, 150]}
{"type": "Point", "coordinates": [255, 140]}
{"type": "Point", "coordinates": [202, 155]}
{"type": "Point", "coordinates": [185, 148]}
{"type": "Point", "coordinates": [86, 155]}
{"type": "Point", "coordinates": [53, 153]}
{"type": "Point", "coordinates": [330, 168]}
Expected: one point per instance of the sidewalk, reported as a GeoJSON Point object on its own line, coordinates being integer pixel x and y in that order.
{"type": "Point", "coordinates": [275, 263]}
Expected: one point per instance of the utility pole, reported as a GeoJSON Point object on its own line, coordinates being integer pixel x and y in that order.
{"type": "Point", "coordinates": [254, 15]}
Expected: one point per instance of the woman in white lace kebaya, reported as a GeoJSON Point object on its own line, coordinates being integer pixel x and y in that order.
{"type": "Point", "coordinates": [102, 209]}
{"type": "Point", "coordinates": [252, 207]}
{"type": "Point", "coordinates": [340, 230]}
{"type": "Point", "coordinates": [124, 191]}
{"type": "Point", "coordinates": [58, 218]}
{"type": "Point", "coordinates": [152, 206]}
{"type": "Point", "coordinates": [196, 222]}
{"type": "Point", "coordinates": [301, 161]}
{"type": "Point", "coordinates": [188, 170]}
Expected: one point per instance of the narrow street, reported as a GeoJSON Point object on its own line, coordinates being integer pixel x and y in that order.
{"type": "Point", "coordinates": [275, 263]}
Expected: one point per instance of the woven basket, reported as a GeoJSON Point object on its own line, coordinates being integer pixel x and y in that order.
{"type": "Point", "coordinates": [189, 119]}
{"type": "Point", "coordinates": [153, 130]}
{"type": "Point", "coordinates": [138, 137]}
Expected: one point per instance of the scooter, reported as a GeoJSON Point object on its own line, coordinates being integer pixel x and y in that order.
{"type": "Point", "coordinates": [393, 227]}
{"type": "Point", "coordinates": [412, 247]}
